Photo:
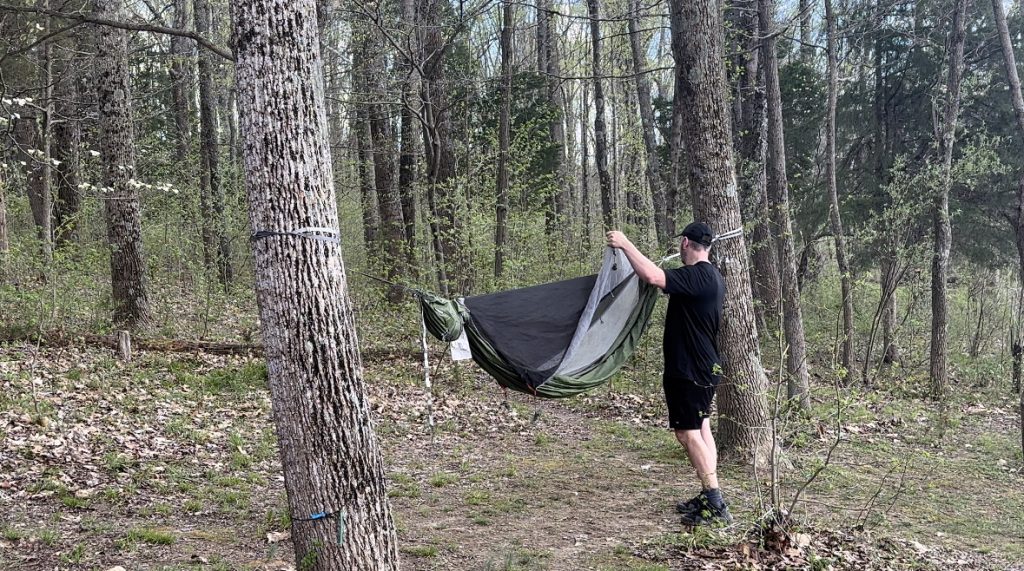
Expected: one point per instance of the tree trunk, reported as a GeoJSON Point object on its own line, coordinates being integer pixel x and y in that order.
{"type": "Point", "coordinates": [29, 140]}
{"type": "Point", "coordinates": [441, 175]}
{"type": "Point", "coordinates": [5, 246]}
{"type": "Point", "coordinates": [585, 199]}
{"type": "Point", "coordinates": [890, 350]}
{"type": "Point", "coordinates": [407, 147]}
{"type": "Point", "coordinates": [329, 453]}
{"type": "Point", "coordinates": [117, 150]}
{"type": "Point", "coordinates": [608, 206]}
{"type": "Point", "coordinates": [362, 141]}
{"type": "Point", "coordinates": [882, 157]}
{"type": "Point", "coordinates": [643, 91]}
{"type": "Point", "coordinates": [388, 199]}
{"type": "Point", "coordinates": [753, 150]}
{"type": "Point", "coordinates": [216, 247]}
{"type": "Point", "coordinates": [501, 190]}
{"type": "Point", "coordinates": [67, 136]}
{"type": "Point", "coordinates": [677, 177]}
{"type": "Point", "coordinates": [938, 370]}
{"type": "Point", "coordinates": [558, 201]}
{"type": "Point", "coordinates": [1017, 100]}
{"type": "Point", "coordinates": [806, 49]}
{"type": "Point", "coordinates": [778, 193]}
{"type": "Point", "coordinates": [42, 204]}
{"type": "Point", "coordinates": [182, 51]}
{"type": "Point", "coordinates": [700, 73]}
{"type": "Point", "coordinates": [835, 218]}
{"type": "Point", "coordinates": [407, 178]}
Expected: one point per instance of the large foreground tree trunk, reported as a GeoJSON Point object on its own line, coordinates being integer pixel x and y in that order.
{"type": "Point", "coordinates": [700, 73]}
{"type": "Point", "coordinates": [835, 218]}
{"type": "Point", "coordinates": [117, 152]}
{"type": "Point", "coordinates": [329, 453]}
{"type": "Point", "coordinates": [938, 369]}
{"type": "Point", "coordinates": [778, 193]}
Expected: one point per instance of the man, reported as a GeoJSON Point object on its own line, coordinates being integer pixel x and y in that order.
{"type": "Point", "coordinates": [692, 366]}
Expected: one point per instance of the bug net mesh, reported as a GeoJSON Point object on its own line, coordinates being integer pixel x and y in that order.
{"type": "Point", "coordinates": [552, 340]}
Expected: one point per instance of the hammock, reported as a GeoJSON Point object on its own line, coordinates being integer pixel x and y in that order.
{"type": "Point", "coordinates": [554, 340]}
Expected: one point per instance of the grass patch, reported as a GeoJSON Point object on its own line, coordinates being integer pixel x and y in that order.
{"type": "Point", "coordinates": [76, 555]}
{"type": "Point", "coordinates": [442, 479]}
{"type": "Point", "coordinates": [73, 502]}
{"type": "Point", "coordinates": [421, 550]}
{"type": "Point", "coordinates": [49, 537]}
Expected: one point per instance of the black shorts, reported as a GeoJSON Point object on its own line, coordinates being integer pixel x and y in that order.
{"type": "Point", "coordinates": [689, 402]}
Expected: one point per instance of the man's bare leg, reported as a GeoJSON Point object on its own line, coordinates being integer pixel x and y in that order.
{"type": "Point", "coordinates": [709, 442]}
{"type": "Point", "coordinates": [702, 457]}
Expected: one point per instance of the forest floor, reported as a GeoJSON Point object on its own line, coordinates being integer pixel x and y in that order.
{"type": "Point", "coordinates": [169, 462]}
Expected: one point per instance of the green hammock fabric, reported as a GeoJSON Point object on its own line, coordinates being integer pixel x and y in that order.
{"type": "Point", "coordinates": [619, 330]}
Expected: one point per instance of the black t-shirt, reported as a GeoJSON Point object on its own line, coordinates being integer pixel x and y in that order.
{"type": "Point", "coordinates": [691, 325]}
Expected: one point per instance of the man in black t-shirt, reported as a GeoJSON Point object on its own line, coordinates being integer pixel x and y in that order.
{"type": "Point", "coordinates": [692, 364]}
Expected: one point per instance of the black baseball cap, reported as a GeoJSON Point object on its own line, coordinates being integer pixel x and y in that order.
{"type": "Point", "coordinates": [698, 232]}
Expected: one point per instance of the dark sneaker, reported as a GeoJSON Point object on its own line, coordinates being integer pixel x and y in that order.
{"type": "Point", "coordinates": [707, 514]}
{"type": "Point", "coordinates": [692, 504]}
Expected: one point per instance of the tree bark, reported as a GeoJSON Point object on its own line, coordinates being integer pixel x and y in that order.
{"type": "Point", "coordinates": [938, 369]}
{"type": "Point", "coordinates": [384, 149]}
{"type": "Point", "coordinates": [778, 194]}
{"type": "Point", "coordinates": [585, 199]}
{"type": "Point", "coordinates": [42, 205]}
{"type": "Point", "coordinates": [889, 282]}
{"type": "Point", "coordinates": [5, 246]}
{"type": "Point", "coordinates": [806, 49]}
{"type": "Point", "coordinates": [67, 137]}
{"type": "Point", "coordinates": [1017, 100]}
{"type": "Point", "coordinates": [407, 146]}
{"type": "Point", "coordinates": [442, 196]}
{"type": "Point", "coordinates": [362, 142]}
{"type": "Point", "coordinates": [643, 91]}
{"type": "Point", "coordinates": [557, 201]}
{"type": "Point", "coordinates": [117, 151]}
{"type": "Point", "coordinates": [608, 202]}
{"type": "Point", "coordinates": [216, 247]}
{"type": "Point", "coordinates": [700, 73]}
{"type": "Point", "coordinates": [501, 188]}
{"type": "Point", "coordinates": [882, 157]}
{"type": "Point", "coordinates": [29, 140]}
{"type": "Point", "coordinates": [329, 453]}
{"type": "Point", "coordinates": [753, 151]}
{"type": "Point", "coordinates": [835, 217]}
{"type": "Point", "coordinates": [182, 52]}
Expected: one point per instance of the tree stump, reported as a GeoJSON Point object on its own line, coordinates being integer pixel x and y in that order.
{"type": "Point", "coordinates": [124, 346]}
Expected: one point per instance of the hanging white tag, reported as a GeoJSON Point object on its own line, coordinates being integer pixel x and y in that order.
{"type": "Point", "coordinates": [460, 348]}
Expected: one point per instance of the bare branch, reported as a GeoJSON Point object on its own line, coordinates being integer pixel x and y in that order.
{"type": "Point", "coordinates": [137, 27]}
